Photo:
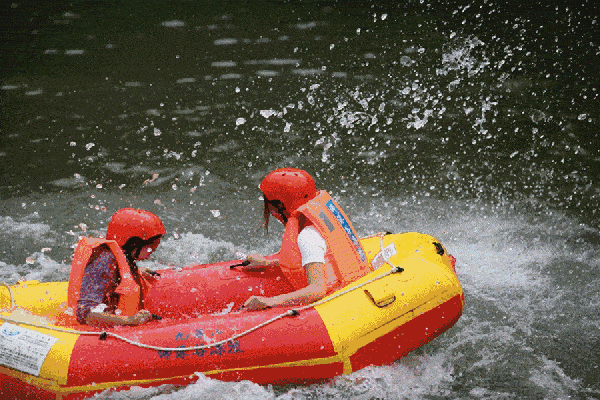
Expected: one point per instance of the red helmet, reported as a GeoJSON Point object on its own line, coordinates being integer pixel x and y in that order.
{"type": "Point", "coordinates": [132, 222]}
{"type": "Point", "coordinates": [292, 187]}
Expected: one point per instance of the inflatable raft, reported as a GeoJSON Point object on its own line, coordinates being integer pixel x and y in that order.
{"type": "Point", "coordinates": [412, 296]}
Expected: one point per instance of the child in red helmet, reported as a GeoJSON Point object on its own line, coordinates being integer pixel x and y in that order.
{"type": "Point", "coordinates": [105, 286]}
{"type": "Point", "coordinates": [320, 251]}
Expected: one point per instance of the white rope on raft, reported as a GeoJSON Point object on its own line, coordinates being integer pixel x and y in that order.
{"type": "Point", "coordinates": [291, 312]}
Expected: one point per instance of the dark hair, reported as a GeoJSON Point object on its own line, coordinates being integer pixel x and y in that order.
{"type": "Point", "coordinates": [280, 208]}
{"type": "Point", "coordinates": [133, 247]}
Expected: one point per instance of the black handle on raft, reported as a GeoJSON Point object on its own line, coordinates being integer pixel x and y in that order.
{"type": "Point", "coordinates": [242, 264]}
{"type": "Point", "coordinates": [156, 317]}
{"type": "Point", "coordinates": [439, 248]}
{"type": "Point", "coordinates": [153, 273]}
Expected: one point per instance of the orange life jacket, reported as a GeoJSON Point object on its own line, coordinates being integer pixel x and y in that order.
{"type": "Point", "coordinates": [345, 259]}
{"type": "Point", "coordinates": [131, 294]}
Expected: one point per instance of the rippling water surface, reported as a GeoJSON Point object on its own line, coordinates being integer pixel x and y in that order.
{"type": "Point", "coordinates": [475, 122]}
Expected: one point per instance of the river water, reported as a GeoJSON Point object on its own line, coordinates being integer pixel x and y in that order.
{"type": "Point", "coordinates": [475, 121]}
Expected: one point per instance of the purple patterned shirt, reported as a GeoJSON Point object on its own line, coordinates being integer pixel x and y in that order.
{"type": "Point", "coordinates": [99, 278]}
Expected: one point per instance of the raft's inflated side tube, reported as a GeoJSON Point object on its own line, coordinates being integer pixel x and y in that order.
{"type": "Point", "coordinates": [388, 318]}
{"type": "Point", "coordinates": [412, 297]}
{"type": "Point", "coordinates": [43, 370]}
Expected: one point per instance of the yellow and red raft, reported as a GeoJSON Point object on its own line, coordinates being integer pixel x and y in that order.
{"type": "Point", "coordinates": [413, 296]}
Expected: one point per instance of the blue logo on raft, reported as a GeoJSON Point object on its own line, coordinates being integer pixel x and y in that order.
{"type": "Point", "coordinates": [340, 217]}
{"type": "Point", "coordinates": [10, 332]}
{"type": "Point", "coordinates": [232, 346]}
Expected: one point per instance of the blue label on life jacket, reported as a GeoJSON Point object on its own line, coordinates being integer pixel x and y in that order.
{"type": "Point", "coordinates": [340, 217]}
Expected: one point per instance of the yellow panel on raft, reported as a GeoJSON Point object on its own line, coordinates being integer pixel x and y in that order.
{"type": "Point", "coordinates": [369, 312]}
{"type": "Point", "coordinates": [38, 298]}
{"type": "Point", "coordinates": [38, 303]}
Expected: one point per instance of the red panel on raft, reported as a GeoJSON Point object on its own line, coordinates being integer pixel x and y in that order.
{"type": "Point", "coordinates": [12, 388]}
{"type": "Point", "coordinates": [86, 395]}
{"type": "Point", "coordinates": [409, 336]}
{"type": "Point", "coordinates": [290, 339]}
{"type": "Point", "coordinates": [208, 289]}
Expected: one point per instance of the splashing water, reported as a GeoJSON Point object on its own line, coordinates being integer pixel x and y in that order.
{"type": "Point", "coordinates": [475, 124]}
